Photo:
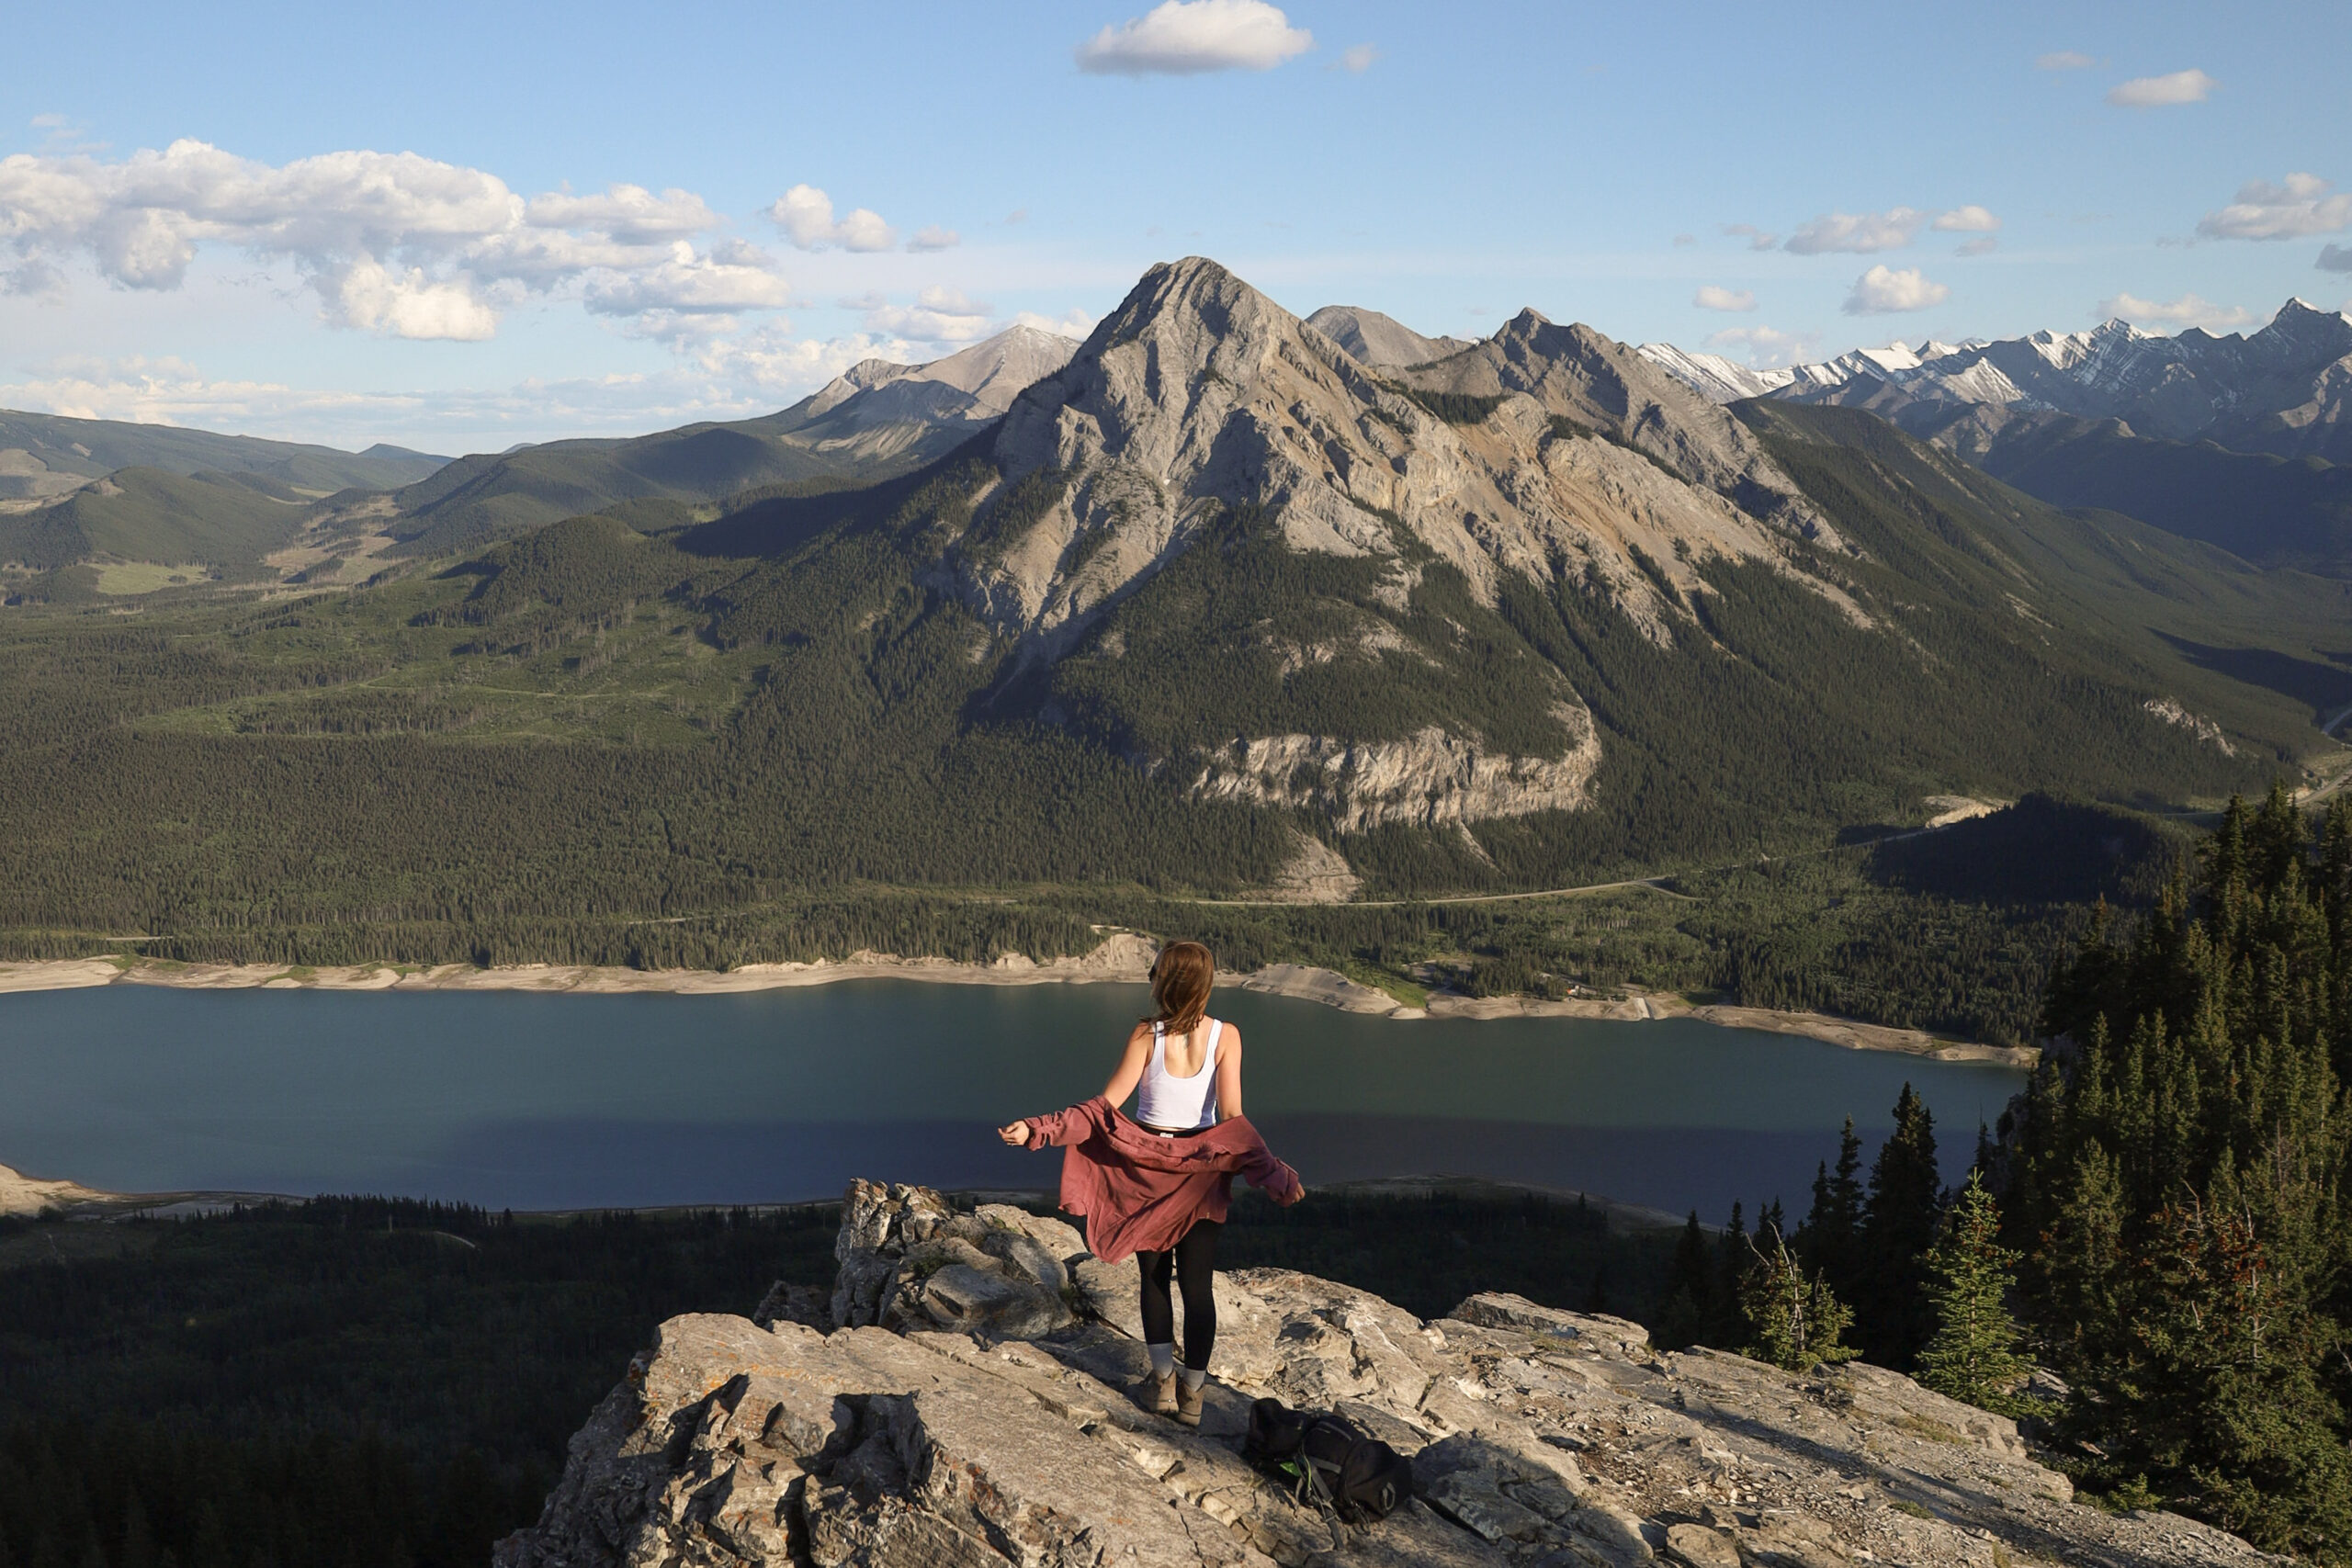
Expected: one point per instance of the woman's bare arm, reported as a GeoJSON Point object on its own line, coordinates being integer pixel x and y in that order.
{"type": "Point", "coordinates": [1122, 1082]}
{"type": "Point", "coordinates": [1228, 1073]}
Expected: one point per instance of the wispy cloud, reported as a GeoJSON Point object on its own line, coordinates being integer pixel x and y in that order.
{"type": "Point", "coordinates": [2063, 59]}
{"type": "Point", "coordinates": [1758, 240]}
{"type": "Point", "coordinates": [1187, 38]}
{"type": "Point", "coordinates": [2335, 258]}
{"type": "Point", "coordinates": [1710, 297]}
{"type": "Point", "coordinates": [2158, 92]}
{"type": "Point", "coordinates": [1357, 58]}
{"type": "Point", "coordinates": [1858, 233]}
{"type": "Point", "coordinates": [934, 238]}
{"type": "Point", "coordinates": [1966, 220]}
{"type": "Point", "coordinates": [2188, 311]}
{"type": "Point", "coordinates": [2296, 208]}
{"type": "Point", "coordinates": [1884, 291]}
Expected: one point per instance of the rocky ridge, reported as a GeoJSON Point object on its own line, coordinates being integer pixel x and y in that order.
{"type": "Point", "coordinates": [1200, 395]}
{"type": "Point", "coordinates": [961, 1398]}
{"type": "Point", "coordinates": [1381, 341]}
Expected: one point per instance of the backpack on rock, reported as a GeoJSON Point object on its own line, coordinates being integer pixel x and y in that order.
{"type": "Point", "coordinates": [1328, 1460]}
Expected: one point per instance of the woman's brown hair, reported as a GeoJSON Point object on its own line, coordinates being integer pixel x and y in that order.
{"type": "Point", "coordinates": [1180, 977]}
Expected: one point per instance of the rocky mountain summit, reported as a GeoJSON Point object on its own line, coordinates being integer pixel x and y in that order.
{"type": "Point", "coordinates": [963, 1398]}
{"type": "Point", "coordinates": [1381, 341]}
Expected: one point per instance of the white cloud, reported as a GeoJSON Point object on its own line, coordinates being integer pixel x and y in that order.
{"type": "Point", "coordinates": [1858, 232]}
{"type": "Point", "coordinates": [1185, 38]}
{"type": "Point", "coordinates": [1070, 324]}
{"type": "Point", "coordinates": [2294, 208]}
{"type": "Point", "coordinates": [934, 238]}
{"type": "Point", "coordinates": [2063, 59]}
{"type": "Point", "coordinates": [806, 216]}
{"type": "Point", "coordinates": [2157, 92]}
{"type": "Point", "coordinates": [1358, 57]}
{"type": "Point", "coordinates": [2335, 258]}
{"type": "Point", "coordinates": [1882, 290]}
{"type": "Point", "coordinates": [1966, 220]}
{"type": "Point", "coordinates": [1710, 297]}
{"type": "Point", "coordinates": [1758, 240]}
{"type": "Point", "coordinates": [734, 276]}
{"type": "Point", "coordinates": [409, 305]}
{"type": "Point", "coordinates": [1766, 347]}
{"type": "Point", "coordinates": [938, 315]}
{"type": "Point", "coordinates": [2188, 311]}
{"type": "Point", "coordinates": [770, 360]}
{"type": "Point", "coordinates": [390, 243]}
{"type": "Point", "coordinates": [1983, 245]}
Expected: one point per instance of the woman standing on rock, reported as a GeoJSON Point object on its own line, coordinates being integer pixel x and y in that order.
{"type": "Point", "coordinates": [1158, 1186]}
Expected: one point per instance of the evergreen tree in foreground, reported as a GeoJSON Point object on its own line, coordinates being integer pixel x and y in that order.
{"type": "Point", "coordinates": [1972, 1356]}
{"type": "Point", "coordinates": [1899, 1224]}
{"type": "Point", "coordinates": [1689, 1313]}
{"type": "Point", "coordinates": [1798, 1321]}
{"type": "Point", "coordinates": [2178, 1173]}
{"type": "Point", "coordinates": [1830, 1238]}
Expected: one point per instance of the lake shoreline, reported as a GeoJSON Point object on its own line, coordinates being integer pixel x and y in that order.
{"type": "Point", "coordinates": [26, 1197]}
{"type": "Point", "coordinates": [1123, 959]}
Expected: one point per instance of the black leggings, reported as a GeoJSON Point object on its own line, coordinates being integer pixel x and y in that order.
{"type": "Point", "coordinates": [1194, 1265]}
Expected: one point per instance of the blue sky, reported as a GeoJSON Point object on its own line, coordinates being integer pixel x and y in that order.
{"type": "Point", "coordinates": [595, 230]}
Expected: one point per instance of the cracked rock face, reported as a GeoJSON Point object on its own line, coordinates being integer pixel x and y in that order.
{"type": "Point", "coordinates": [1538, 1438]}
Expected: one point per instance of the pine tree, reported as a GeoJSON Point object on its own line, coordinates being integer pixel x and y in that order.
{"type": "Point", "coordinates": [1690, 1299]}
{"type": "Point", "coordinates": [1831, 1231]}
{"type": "Point", "coordinates": [1798, 1322]}
{"type": "Point", "coordinates": [1728, 1325]}
{"type": "Point", "coordinates": [1898, 1227]}
{"type": "Point", "coordinates": [1972, 1356]}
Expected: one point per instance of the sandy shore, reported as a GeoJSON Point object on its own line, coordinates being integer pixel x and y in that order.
{"type": "Point", "coordinates": [1123, 959]}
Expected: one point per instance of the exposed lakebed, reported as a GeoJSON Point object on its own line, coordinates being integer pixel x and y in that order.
{"type": "Point", "coordinates": [533, 1102]}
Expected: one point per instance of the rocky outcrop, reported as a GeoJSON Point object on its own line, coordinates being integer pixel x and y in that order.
{"type": "Point", "coordinates": [1536, 1437]}
{"type": "Point", "coordinates": [1199, 396]}
{"type": "Point", "coordinates": [1431, 778]}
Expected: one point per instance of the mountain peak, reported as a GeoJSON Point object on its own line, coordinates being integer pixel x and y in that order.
{"type": "Point", "coordinates": [1381, 341]}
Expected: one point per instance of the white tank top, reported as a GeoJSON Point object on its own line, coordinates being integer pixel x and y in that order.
{"type": "Point", "coordinates": [1174, 1104]}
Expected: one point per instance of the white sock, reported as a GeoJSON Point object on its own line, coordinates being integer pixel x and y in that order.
{"type": "Point", "coordinates": [1193, 1378]}
{"type": "Point", "coordinates": [1163, 1358]}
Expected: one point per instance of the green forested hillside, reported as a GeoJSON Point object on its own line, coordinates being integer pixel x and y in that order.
{"type": "Point", "coordinates": [633, 737]}
{"type": "Point", "coordinates": [2272, 510]}
{"type": "Point", "coordinates": [67, 449]}
{"type": "Point", "coordinates": [151, 515]}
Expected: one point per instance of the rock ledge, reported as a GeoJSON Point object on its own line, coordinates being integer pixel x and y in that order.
{"type": "Point", "coordinates": [971, 1409]}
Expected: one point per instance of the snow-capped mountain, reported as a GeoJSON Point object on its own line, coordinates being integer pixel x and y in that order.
{"type": "Point", "coordinates": [2286, 389]}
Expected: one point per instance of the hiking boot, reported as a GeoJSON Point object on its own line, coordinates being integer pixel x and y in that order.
{"type": "Point", "coordinates": [1159, 1393]}
{"type": "Point", "coordinates": [1188, 1401]}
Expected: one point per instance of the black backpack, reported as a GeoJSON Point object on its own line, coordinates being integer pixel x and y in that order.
{"type": "Point", "coordinates": [1327, 1461]}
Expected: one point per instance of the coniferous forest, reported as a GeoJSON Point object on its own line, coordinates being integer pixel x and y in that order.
{"type": "Point", "coordinates": [2159, 1221]}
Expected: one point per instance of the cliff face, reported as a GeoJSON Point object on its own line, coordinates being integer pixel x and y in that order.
{"type": "Point", "coordinates": [974, 1412]}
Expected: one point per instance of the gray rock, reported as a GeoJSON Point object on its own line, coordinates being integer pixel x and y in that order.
{"type": "Point", "coordinates": [1031, 1256]}
{"type": "Point", "coordinates": [1696, 1546]}
{"type": "Point", "coordinates": [788, 1303]}
{"type": "Point", "coordinates": [1058, 1236]}
{"type": "Point", "coordinates": [1539, 1438]}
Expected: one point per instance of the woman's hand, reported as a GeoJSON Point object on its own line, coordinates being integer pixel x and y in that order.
{"type": "Point", "coordinates": [1016, 1135]}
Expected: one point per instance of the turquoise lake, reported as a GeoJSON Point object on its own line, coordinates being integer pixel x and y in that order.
{"type": "Point", "coordinates": [516, 1101]}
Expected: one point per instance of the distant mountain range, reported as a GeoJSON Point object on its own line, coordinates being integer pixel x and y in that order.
{"type": "Point", "coordinates": [43, 456]}
{"type": "Point", "coordinates": [1212, 604]}
{"type": "Point", "coordinates": [2285, 389]}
